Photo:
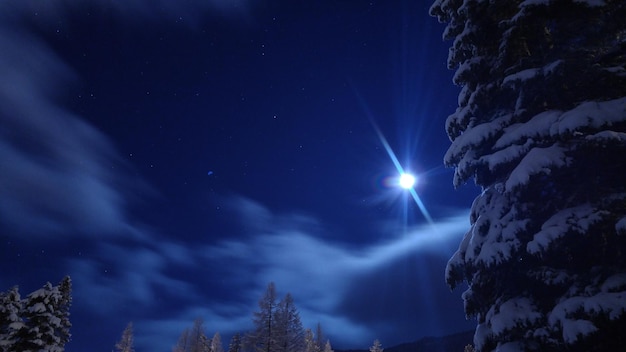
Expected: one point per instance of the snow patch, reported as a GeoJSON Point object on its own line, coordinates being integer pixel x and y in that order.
{"type": "Point", "coordinates": [590, 114]}
{"type": "Point", "coordinates": [592, 303]}
{"type": "Point", "coordinates": [606, 137]}
{"type": "Point", "coordinates": [578, 219]}
{"type": "Point", "coordinates": [538, 160]}
{"type": "Point", "coordinates": [511, 314]}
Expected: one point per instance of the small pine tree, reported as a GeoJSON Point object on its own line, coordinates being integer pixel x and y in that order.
{"type": "Point", "coordinates": [376, 347]}
{"type": "Point", "coordinates": [328, 347]}
{"type": "Point", "coordinates": [198, 341]}
{"type": "Point", "coordinates": [235, 343]}
{"type": "Point", "coordinates": [126, 343]}
{"type": "Point", "coordinates": [310, 345]}
{"type": "Point", "coordinates": [289, 333]}
{"type": "Point", "coordinates": [262, 338]}
{"type": "Point", "coordinates": [319, 337]}
{"type": "Point", "coordinates": [216, 343]}
{"type": "Point", "coordinates": [183, 342]}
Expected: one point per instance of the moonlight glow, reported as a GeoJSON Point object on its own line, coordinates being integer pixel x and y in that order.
{"type": "Point", "coordinates": [407, 181]}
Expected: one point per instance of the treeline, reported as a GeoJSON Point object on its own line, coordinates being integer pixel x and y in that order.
{"type": "Point", "coordinates": [277, 328]}
{"type": "Point", "coordinates": [39, 322]}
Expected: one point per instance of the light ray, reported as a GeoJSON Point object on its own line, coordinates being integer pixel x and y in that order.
{"type": "Point", "coordinates": [394, 159]}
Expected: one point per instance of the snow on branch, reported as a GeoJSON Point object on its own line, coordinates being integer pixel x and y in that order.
{"type": "Point", "coordinates": [537, 161]}
{"type": "Point", "coordinates": [609, 301]}
{"type": "Point", "coordinates": [511, 314]}
{"type": "Point", "coordinates": [578, 219]}
{"type": "Point", "coordinates": [590, 114]}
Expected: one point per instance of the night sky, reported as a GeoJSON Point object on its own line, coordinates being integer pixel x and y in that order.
{"type": "Point", "coordinates": [174, 157]}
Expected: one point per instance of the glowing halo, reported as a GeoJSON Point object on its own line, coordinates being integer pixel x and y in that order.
{"type": "Point", "coordinates": [407, 181]}
{"type": "Point", "coordinates": [394, 159]}
{"type": "Point", "coordinates": [400, 169]}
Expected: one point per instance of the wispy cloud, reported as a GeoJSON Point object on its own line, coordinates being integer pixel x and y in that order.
{"type": "Point", "coordinates": [59, 175]}
{"type": "Point", "coordinates": [56, 173]}
{"type": "Point", "coordinates": [337, 285]}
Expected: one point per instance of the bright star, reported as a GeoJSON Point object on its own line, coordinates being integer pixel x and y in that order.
{"type": "Point", "coordinates": [407, 181]}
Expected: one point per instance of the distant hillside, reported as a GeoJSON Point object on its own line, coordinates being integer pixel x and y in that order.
{"type": "Point", "coordinates": [450, 343]}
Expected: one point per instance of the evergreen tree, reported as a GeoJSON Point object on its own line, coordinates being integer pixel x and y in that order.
{"type": "Point", "coordinates": [62, 312]}
{"type": "Point", "coordinates": [198, 341]}
{"type": "Point", "coordinates": [235, 344]}
{"type": "Point", "coordinates": [376, 347]}
{"type": "Point", "coordinates": [126, 343]}
{"type": "Point", "coordinates": [46, 318]}
{"type": "Point", "coordinates": [11, 322]}
{"type": "Point", "coordinates": [319, 337]}
{"type": "Point", "coordinates": [328, 347]}
{"type": "Point", "coordinates": [310, 345]}
{"type": "Point", "coordinates": [289, 333]}
{"type": "Point", "coordinates": [216, 343]}
{"type": "Point", "coordinates": [541, 127]}
{"type": "Point", "coordinates": [194, 339]}
{"type": "Point", "coordinates": [262, 338]}
{"type": "Point", "coordinates": [183, 342]}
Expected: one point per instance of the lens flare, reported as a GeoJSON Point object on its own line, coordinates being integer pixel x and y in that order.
{"type": "Point", "coordinates": [401, 172]}
{"type": "Point", "coordinates": [396, 162]}
{"type": "Point", "coordinates": [407, 181]}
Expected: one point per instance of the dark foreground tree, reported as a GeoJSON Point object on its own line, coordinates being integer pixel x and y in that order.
{"type": "Point", "coordinates": [541, 127]}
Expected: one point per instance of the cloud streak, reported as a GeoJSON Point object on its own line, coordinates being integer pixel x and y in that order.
{"type": "Point", "coordinates": [333, 284]}
{"type": "Point", "coordinates": [56, 175]}
{"type": "Point", "coordinates": [59, 174]}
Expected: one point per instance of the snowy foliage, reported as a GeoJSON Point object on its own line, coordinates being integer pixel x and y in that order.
{"type": "Point", "coordinates": [541, 127]}
{"type": "Point", "coordinates": [376, 347]}
{"type": "Point", "coordinates": [39, 322]}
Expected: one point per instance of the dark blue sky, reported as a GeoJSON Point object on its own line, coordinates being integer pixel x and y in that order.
{"type": "Point", "coordinates": [174, 158]}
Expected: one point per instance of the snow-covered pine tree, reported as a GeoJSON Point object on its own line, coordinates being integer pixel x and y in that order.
{"type": "Point", "coordinates": [310, 345]}
{"type": "Point", "coordinates": [263, 337]}
{"type": "Point", "coordinates": [541, 127]}
{"type": "Point", "coordinates": [216, 343]}
{"type": "Point", "coordinates": [376, 347]}
{"type": "Point", "coordinates": [182, 345]}
{"type": "Point", "coordinates": [328, 347]}
{"type": "Point", "coordinates": [46, 318]}
{"type": "Point", "coordinates": [11, 322]}
{"type": "Point", "coordinates": [235, 344]}
{"type": "Point", "coordinates": [319, 336]}
{"type": "Point", "coordinates": [289, 333]}
{"type": "Point", "coordinates": [126, 342]}
{"type": "Point", "coordinates": [198, 341]}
